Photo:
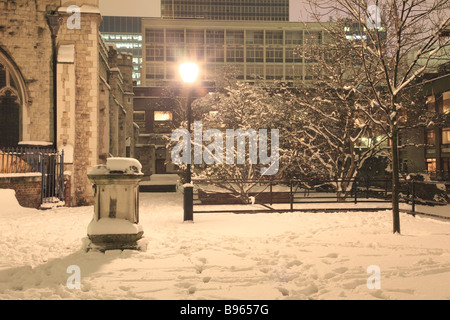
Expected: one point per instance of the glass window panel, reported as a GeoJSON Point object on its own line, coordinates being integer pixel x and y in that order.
{"type": "Point", "coordinates": [431, 165]}
{"type": "Point", "coordinates": [195, 37]}
{"type": "Point", "coordinates": [163, 115]}
{"type": "Point", "coordinates": [255, 37]}
{"type": "Point", "coordinates": [175, 36]}
{"type": "Point", "coordinates": [155, 53]}
{"type": "Point", "coordinates": [154, 36]}
{"type": "Point", "coordinates": [294, 37]}
{"type": "Point", "coordinates": [274, 37]}
{"type": "Point", "coordinates": [235, 37]}
{"type": "Point", "coordinates": [446, 136]}
{"type": "Point", "coordinates": [215, 37]}
{"type": "Point", "coordinates": [274, 55]}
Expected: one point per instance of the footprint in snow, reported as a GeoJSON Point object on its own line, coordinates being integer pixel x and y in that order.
{"type": "Point", "coordinates": [284, 291]}
{"type": "Point", "coordinates": [206, 279]}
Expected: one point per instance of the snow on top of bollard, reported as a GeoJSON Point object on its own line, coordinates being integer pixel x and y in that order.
{"type": "Point", "coordinates": [99, 169]}
{"type": "Point", "coordinates": [126, 165]}
{"type": "Point", "coordinates": [122, 165]}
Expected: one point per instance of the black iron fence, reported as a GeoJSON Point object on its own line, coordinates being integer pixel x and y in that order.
{"type": "Point", "coordinates": [439, 175]}
{"type": "Point", "coordinates": [302, 195]}
{"type": "Point", "coordinates": [47, 162]}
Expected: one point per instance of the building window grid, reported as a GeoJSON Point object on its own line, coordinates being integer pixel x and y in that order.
{"type": "Point", "coordinates": [221, 10]}
{"type": "Point", "coordinates": [234, 40]}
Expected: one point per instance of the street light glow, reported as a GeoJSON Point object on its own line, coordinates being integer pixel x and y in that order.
{"type": "Point", "coordinates": [189, 72]}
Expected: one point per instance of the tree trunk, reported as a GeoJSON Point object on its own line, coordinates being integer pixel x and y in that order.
{"type": "Point", "coordinates": [395, 177]}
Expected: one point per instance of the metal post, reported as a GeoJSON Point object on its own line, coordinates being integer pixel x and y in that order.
{"type": "Point", "coordinates": [271, 199]}
{"type": "Point", "coordinates": [189, 116]}
{"type": "Point", "coordinates": [188, 203]}
{"type": "Point", "coordinates": [61, 177]}
{"type": "Point", "coordinates": [367, 188]}
{"type": "Point", "coordinates": [188, 200]}
{"type": "Point", "coordinates": [291, 197]}
{"type": "Point", "coordinates": [356, 190]}
{"type": "Point", "coordinates": [43, 177]}
{"type": "Point", "coordinates": [386, 188]}
{"type": "Point", "coordinates": [413, 191]}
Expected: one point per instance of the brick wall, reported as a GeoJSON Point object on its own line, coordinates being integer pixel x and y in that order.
{"type": "Point", "coordinates": [28, 189]}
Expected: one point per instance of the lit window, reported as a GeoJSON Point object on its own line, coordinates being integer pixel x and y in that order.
{"type": "Point", "coordinates": [446, 102]}
{"type": "Point", "coordinates": [431, 165]}
{"type": "Point", "coordinates": [163, 116]}
{"type": "Point", "coordinates": [446, 136]}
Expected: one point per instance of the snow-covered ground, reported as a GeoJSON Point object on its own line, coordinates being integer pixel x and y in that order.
{"type": "Point", "coordinates": [225, 256]}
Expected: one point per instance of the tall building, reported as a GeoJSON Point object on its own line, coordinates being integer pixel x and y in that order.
{"type": "Point", "coordinates": [263, 50]}
{"type": "Point", "coordinates": [437, 137]}
{"type": "Point", "coordinates": [267, 10]}
{"type": "Point", "coordinates": [256, 49]}
{"type": "Point", "coordinates": [125, 33]}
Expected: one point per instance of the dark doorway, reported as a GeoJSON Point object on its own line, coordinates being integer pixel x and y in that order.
{"type": "Point", "coordinates": [160, 166]}
{"type": "Point", "coordinates": [160, 163]}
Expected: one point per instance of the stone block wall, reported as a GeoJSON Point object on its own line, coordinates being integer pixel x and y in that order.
{"type": "Point", "coordinates": [93, 87]}
{"type": "Point", "coordinates": [86, 116]}
{"type": "Point", "coordinates": [25, 38]}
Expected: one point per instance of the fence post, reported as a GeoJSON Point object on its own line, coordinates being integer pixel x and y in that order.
{"type": "Point", "coordinates": [385, 188]}
{"type": "Point", "coordinates": [188, 203]}
{"type": "Point", "coordinates": [413, 191]}
{"type": "Point", "coordinates": [291, 197]}
{"type": "Point", "coordinates": [43, 176]}
{"type": "Point", "coordinates": [408, 192]}
{"type": "Point", "coordinates": [367, 187]}
{"type": "Point", "coordinates": [271, 200]}
{"type": "Point", "coordinates": [356, 190]}
{"type": "Point", "coordinates": [61, 176]}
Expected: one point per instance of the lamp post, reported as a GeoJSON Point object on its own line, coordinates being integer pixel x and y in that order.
{"type": "Point", "coordinates": [189, 72]}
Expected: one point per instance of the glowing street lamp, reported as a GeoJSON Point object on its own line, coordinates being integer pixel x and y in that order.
{"type": "Point", "coordinates": [189, 73]}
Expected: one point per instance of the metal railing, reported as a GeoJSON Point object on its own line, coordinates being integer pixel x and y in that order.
{"type": "Point", "coordinates": [293, 195]}
{"type": "Point", "coordinates": [20, 160]}
{"type": "Point", "coordinates": [47, 162]}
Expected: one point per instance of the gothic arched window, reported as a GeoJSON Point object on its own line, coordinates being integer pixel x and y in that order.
{"type": "Point", "coordinates": [10, 105]}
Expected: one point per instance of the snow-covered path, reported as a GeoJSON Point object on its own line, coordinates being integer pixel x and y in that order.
{"type": "Point", "coordinates": [225, 256]}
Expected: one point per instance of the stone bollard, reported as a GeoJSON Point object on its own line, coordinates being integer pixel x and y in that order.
{"type": "Point", "coordinates": [115, 224]}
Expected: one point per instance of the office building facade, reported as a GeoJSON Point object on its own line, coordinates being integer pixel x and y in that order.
{"type": "Point", "coordinates": [255, 50]}
{"type": "Point", "coordinates": [256, 10]}
{"type": "Point", "coordinates": [126, 34]}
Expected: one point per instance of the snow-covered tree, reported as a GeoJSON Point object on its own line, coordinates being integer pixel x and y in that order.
{"type": "Point", "coordinates": [240, 115]}
{"type": "Point", "coordinates": [396, 42]}
{"type": "Point", "coordinates": [326, 125]}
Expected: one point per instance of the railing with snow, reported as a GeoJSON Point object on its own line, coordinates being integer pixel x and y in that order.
{"type": "Point", "coordinates": [47, 162]}
{"type": "Point", "coordinates": [303, 195]}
